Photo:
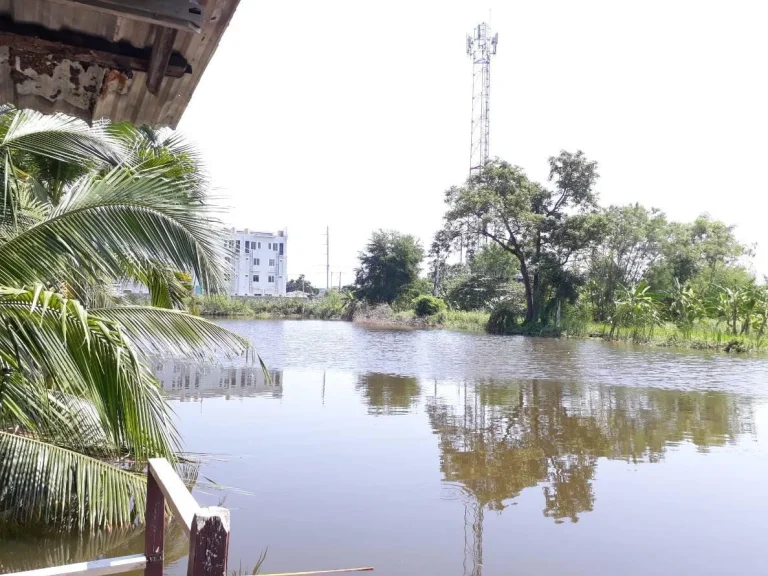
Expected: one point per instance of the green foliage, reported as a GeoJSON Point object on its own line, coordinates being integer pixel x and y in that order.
{"type": "Point", "coordinates": [426, 305]}
{"type": "Point", "coordinates": [637, 311]}
{"type": "Point", "coordinates": [389, 267]}
{"type": "Point", "coordinates": [491, 276]}
{"type": "Point", "coordinates": [542, 228]}
{"type": "Point", "coordinates": [301, 284]}
{"type": "Point", "coordinates": [333, 306]}
{"type": "Point", "coordinates": [506, 317]}
{"type": "Point", "coordinates": [80, 412]}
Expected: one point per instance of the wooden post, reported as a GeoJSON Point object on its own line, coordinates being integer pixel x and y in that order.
{"type": "Point", "coordinates": [155, 527]}
{"type": "Point", "coordinates": [209, 542]}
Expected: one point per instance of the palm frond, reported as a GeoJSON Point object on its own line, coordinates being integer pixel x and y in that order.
{"type": "Point", "coordinates": [41, 483]}
{"type": "Point", "coordinates": [58, 137]}
{"type": "Point", "coordinates": [121, 220]}
{"type": "Point", "coordinates": [164, 332]}
{"type": "Point", "coordinates": [47, 338]}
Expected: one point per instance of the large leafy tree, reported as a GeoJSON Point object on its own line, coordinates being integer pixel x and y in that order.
{"type": "Point", "coordinates": [389, 266]}
{"type": "Point", "coordinates": [545, 229]}
{"type": "Point", "coordinates": [491, 275]}
{"type": "Point", "coordinates": [80, 412]}
{"type": "Point", "coordinates": [632, 242]}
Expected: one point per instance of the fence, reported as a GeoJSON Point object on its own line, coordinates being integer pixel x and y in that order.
{"type": "Point", "coordinates": [206, 528]}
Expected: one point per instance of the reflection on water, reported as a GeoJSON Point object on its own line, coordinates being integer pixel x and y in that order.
{"type": "Point", "coordinates": [437, 453]}
{"type": "Point", "coordinates": [387, 394]}
{"type": "Point", "coordinates": [193, 381]}
{"type": "Point", "coordinates": [18, 554]}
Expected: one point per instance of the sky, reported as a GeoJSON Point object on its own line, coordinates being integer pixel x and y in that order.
{"type": "Point", "coordinates": [356, 115]}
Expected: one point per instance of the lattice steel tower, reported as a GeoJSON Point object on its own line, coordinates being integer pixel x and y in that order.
{"type": "Point", "coordinates": [480, 48]}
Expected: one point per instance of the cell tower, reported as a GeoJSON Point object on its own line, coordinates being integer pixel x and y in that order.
{"type": "Point", "coordinates": [480, 48]}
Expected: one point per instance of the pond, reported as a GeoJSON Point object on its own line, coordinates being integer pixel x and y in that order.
{"type": "Point", "coordinates": [436, 452]}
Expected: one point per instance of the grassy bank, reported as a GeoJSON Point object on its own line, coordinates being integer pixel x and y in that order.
{"type": "Point", "coordinates": [384, 316]}
{"type": "Point", "coordinates": [700, 337]}
{"type": "Point", "coordinates": [330, 308]}
{"type": "Point", "coordinates": [333, 307]}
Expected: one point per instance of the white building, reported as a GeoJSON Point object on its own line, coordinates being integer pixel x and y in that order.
{"type": "Point", "coordinates": [257, 262]}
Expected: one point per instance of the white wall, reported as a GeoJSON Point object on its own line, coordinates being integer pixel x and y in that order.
{"type": "Point", "coordinates": [264, 248]}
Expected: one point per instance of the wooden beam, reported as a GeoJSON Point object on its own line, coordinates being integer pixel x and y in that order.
{"type": "Point", "coordinates": [182, 503]}
{"type": "Point", "coordinates": [180, 14]}
{"type": "Point", "coordinates": [161, 56]}
{"type": "Point", "coordinates": [209, 542]}
{"type": "Point", "coordinates": [93, 568]}
{"type": "Point", "coordinates": [82, 48]}
{"type": "Point", "coordinates": [154, 531]}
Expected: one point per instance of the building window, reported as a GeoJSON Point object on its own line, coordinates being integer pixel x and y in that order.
{"type": "Point", "coordinates": [281, 249]}
{"type": "Point", "coordinates": [247, 246]}
{"type": "Point", "coordinates": [255, 277]}
{"type": "Point", "coordinates": [269, 246]}
{"type": "Point", "coordinates": [271, 279]}
{"type": "Point", "coordinates": [271, 261]}
{"type": "Point", "coordinates": [258, 245]}
{"type": "Point", "coordinates": [230, 244]}
{"type": "Point", "coordinates": [237, 246]}
{"type": "Point", "coordinates": [256, 262]}
{"type": "Point", "coordinates": [275, 246]}
{"type": "Point", "coordinates": [227, 259]}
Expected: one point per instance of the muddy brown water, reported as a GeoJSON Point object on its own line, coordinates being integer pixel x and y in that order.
{"type": "Point", "coordinates": [436, 452]}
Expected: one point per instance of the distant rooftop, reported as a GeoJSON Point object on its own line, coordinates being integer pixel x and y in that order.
{"type": "Point", "coordinates": [136, 60]}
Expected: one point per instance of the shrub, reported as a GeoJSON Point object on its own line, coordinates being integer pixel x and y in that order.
{"type": "Point", "coordinates": [426, 305]}
{"type": "Point", "coordinates": [504, 317]}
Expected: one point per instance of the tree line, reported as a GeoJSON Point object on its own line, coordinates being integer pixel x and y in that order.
{"type": "Point", "coordinates": [545, 256]}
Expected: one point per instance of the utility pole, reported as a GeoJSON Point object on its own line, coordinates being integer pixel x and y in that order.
{"type": "Point", "coordinates": [339, 281]}
{"type": "Point", "coordinates": [437, 272]}
{"type": "Point", "coordinates": [327, 258]}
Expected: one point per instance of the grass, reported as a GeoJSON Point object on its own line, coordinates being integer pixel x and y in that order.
{"type": "Point", "coordinates": [702, 336]}
{"type": "Point", "coordinates": [332, 308]}
{"type": "Point", "coordinates": [329, 308]}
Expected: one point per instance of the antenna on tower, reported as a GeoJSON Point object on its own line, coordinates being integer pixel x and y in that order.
{"type": "Point", "coordinates": [480, 48]}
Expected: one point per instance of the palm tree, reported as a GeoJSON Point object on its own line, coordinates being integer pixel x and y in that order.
{"type": "Point", "coordinates": [80, 412]}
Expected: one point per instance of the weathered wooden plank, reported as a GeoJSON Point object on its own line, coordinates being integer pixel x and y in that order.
{"type": "Point", "coordinates": [209, 542]}
{"type": "Point", "coordinates": [161, 56]}
{"type": "Point", "coordinates": [93, 568]}
{"type": "Point", "coordinates": [180, 14]}
{"type": "Point", "coordinates": [82, 48]}
{"type": "Point", "coordinates": [154, 533]}
{"type": "Point", "coordinates": [182, 503]}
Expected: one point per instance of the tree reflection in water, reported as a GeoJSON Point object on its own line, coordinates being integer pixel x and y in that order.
{"type": "Point", "coordinates": [500, 439]}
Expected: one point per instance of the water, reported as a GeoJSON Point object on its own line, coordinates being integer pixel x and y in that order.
{"type": "Point", "coordinates": [434, 452]}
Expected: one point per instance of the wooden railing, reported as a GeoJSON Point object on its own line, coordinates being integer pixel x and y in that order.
{"type": "Point", "coordinates": [206, 528]}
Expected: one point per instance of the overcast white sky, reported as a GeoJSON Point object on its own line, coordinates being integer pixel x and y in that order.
{"type": "Point", "coordinates": [356, 115]}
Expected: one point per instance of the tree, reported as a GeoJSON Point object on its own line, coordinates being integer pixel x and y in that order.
{"type": "Point", "coordinates": [632, 242]}
{"type": "Point", "coordinates": [389, 267]}
{"type": "Point", "coordinates": [80, 412]}
{"type": "Point", "coordinates": [492, 276]}
{"type": "Point", "coordinates": [705, 252]}
{"type": "Point", "coordinates": [546, 230]}
{"type": "Point", "coordinates": [301, 285]}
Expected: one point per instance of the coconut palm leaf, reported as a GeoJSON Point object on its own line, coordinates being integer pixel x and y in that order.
{"type": "Point", "coordinates": [125, 220]}
{"type": "Point", "coordinates": [44, 484]}
{"type": "Point", "coordinates": [47, 338]}
{"type": "Point", "coordinates": [58, 137]}
{"type": "Point", "coordinates": [158, 331]}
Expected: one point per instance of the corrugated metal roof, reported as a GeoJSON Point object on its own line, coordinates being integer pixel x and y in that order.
{"type": "Point", "coordinates": [95, 91]}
